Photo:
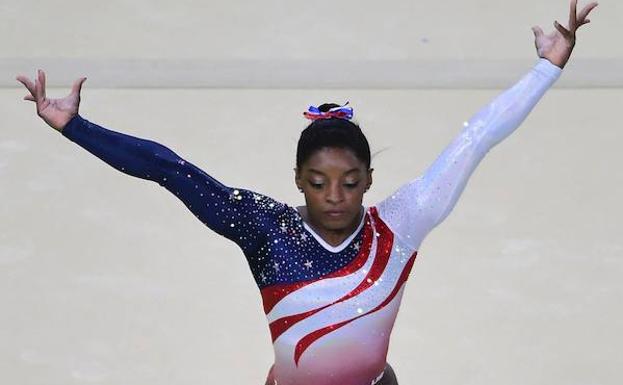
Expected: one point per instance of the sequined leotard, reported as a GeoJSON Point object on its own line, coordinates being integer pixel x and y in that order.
{"type": "Point", "coordinates": [330, 309]}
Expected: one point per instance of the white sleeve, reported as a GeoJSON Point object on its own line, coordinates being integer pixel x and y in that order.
{"type": "Point", "coordinates": [416, 207]}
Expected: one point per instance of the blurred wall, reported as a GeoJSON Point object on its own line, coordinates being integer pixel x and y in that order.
{"type": "Point", "coordinates": [291, 44]}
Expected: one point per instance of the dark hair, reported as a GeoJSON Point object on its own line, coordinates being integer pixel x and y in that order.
{"type": "Point", "coordinates": [332, 132]}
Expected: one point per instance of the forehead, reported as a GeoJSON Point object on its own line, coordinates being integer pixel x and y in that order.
{"type": "Point", "coordinates": [332, 160]}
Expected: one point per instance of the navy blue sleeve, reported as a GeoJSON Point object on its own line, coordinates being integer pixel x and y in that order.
{"type": "Point", "coordinates": [240, 215]}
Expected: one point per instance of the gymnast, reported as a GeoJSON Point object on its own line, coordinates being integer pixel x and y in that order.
{"type": "Point", "coordinates": [331, 273]}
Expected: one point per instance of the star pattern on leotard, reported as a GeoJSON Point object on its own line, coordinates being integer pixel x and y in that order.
{"type": "Point", "coordinates": [235, 195]}
{"type": "Point", "coordinates": [289, 253]}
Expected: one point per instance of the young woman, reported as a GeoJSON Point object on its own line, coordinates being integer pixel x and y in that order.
{"type": "Point", "coordinates": [331, 273]}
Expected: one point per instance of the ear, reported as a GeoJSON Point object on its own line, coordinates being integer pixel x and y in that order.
{"type": "Point", "coordinates": [297, 177]}
{"type": "Point", "coordinates": [369, 178]}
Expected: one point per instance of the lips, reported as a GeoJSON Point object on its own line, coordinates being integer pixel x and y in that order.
{"type": "Point", "coordinates": [334, 213]}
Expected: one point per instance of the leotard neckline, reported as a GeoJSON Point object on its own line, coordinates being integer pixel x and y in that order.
{"type": "Point", "coordinates": [325, 244]}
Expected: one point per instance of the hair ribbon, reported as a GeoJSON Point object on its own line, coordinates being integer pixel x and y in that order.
{"type": "Point", "coordinates": [342, 112]}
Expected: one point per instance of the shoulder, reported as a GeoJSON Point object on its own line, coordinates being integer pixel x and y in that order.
{"type": "Point", "coordinates": [403, 213]}
{"type": "Point", "coordinates": [261, 210]}
{"type": "Point", "coordinates": [264, 204]}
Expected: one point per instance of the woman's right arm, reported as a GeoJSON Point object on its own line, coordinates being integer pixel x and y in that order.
{"type": "Point", "coordinates": [240, 215]}
{"type": "Point", "coordinates": [131, 155]}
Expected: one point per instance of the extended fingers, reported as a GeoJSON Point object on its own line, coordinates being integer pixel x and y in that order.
{"type": "Point", "coordinates": [572, 15]}
{"type": "Point", "coordinates": [77, 86]}
{"type": "Point", "coordinates": [566, 33]}
{"type": "Point", "coordinates": [42, 83]}
{"type": "Point", "coordinates": [537, 31]}
{"type": "Point", "coordinates": [38, 91]}
{"type": "Point", "coordinates": [27, 83]}
{"type": "Point", "coordinates": [585, 11]}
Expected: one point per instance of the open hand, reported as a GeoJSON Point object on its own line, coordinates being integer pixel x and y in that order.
{"type": "Point", "coordinates": [557, 46]}
{"type": "Point", "coordinates": [55, 112]}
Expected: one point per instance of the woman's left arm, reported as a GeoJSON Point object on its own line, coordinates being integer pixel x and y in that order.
{"type": "Point", "coordinates": [420, 205]}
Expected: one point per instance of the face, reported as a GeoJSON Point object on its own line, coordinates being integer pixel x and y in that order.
{"type": "Point", "coordinates": [333, 179]}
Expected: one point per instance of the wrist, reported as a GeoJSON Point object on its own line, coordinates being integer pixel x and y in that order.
{"type": "Point", "coordinates": [557, 62]}
{"type": "Point", "coordinates": [74, 120]}
{"type": "Point", "coordinates": [560, 57]}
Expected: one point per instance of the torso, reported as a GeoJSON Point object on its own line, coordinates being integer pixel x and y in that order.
{"type": "Point", "coordinates": [331, 309]}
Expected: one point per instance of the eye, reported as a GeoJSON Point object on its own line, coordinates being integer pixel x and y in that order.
{"type": "Point", "coordinates": [318, 186]}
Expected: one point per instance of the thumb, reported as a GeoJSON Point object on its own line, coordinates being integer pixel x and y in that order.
{"type": "Point", "coordinates": [77, 86]}
{"type": "Point", "coordinates": [537, 31]}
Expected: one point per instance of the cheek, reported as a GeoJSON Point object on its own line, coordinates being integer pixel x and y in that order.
{"type": "Point", "coordinates": [356, 194]}
{"type": "Point", "coordinates": [313, 196]}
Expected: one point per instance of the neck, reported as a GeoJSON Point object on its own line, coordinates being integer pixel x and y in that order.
{"type": "Point", "coordinates": [333, 237]}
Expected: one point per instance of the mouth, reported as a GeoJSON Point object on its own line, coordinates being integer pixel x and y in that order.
{"type": "Point", "coordinates": [334, 213]}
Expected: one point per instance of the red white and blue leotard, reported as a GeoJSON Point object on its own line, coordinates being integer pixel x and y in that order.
{"type": "Point", "coordinates": [330, 309]}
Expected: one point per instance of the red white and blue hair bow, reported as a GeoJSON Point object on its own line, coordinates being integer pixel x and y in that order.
{"type": "Point", "coordinates": [341, 112]}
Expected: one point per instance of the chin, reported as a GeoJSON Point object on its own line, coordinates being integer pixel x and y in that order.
{"type": "Point", "coordinates": [338, 223]}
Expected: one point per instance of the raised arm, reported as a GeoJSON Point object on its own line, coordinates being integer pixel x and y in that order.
{"type": "Point", "coordinates": [238, 214]}
{"type": "Point", "coordinates": [417, 207]}
{"type": "Point", "coordinates": [420, 205]}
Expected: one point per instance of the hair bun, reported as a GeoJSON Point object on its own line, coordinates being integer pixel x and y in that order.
{"type": "Point", "coordinates": [329, 110]}
{"type": "Point", "coordinates": [327, 106]}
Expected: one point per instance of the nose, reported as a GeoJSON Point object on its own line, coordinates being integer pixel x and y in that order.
{"type": "Point", "coordinates": [335, 194]}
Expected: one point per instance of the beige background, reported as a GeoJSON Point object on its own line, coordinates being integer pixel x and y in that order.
{"type": "Point", "coordinates": [109, 279]}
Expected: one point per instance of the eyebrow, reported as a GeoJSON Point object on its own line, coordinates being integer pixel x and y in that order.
{"type": "Point", "coordinates": [320, 172]}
